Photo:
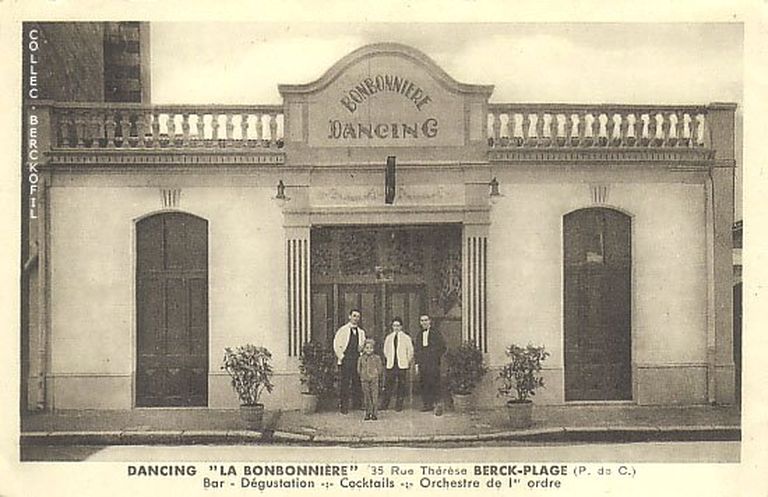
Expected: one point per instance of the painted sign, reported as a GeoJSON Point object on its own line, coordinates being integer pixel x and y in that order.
{"type": "Point", "coordinates": [385, 101]}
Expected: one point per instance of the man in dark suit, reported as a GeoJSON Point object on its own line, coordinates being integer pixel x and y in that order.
{"type": "Point", "coordinates": [429, 348]}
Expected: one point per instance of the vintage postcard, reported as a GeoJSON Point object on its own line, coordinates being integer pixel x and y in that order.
{"type": "Point", "coordinates": [361, 256]}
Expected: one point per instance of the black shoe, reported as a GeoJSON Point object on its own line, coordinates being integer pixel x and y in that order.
{"type": "Point", "coordinates": [367, 417]}
{"type": "Point", "coordinates": [426, 408]}
{"type": "Point", "coordinates": [343, 410]}
{"type": "Point", "coordinates": [374, 418]}
{"type": "Point", "coordinates": [398, 408]}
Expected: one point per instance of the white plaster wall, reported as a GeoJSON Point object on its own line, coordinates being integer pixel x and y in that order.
{"type": "Point", "coordinates": [93, 276]}
{"type": "Point", "coordinates": [669, 271]}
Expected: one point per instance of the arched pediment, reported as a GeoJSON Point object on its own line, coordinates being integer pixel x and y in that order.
{"type": "Point", "coordinates": [382, 50]}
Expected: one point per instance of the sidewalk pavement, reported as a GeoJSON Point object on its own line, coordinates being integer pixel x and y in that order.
{"type": "Point", "coordinates": [572, 423]}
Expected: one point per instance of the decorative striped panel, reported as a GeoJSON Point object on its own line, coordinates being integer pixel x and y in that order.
{"type": "Point", "coordinates": [475, 270]}
{"type": "Point", "coordinates": [298, 294]}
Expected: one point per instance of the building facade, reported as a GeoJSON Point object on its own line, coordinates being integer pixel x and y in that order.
{"type": "Point", "coordinates": [167, 233]}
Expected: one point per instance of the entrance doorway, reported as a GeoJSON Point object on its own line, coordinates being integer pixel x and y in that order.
{"type": "Point", "coordinates": [386, 271]}
{"type": "Point", "coordinates": [172, 311]}
{"type": "Point", "coordinates": [597, 302]}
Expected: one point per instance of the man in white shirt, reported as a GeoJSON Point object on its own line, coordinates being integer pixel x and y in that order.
{"type": "Point", "coordinates": [347, 345]}
{"type": "Point", "coordinates": [398, 351]}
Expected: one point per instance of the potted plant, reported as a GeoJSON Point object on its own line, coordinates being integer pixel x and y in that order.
{"type": "Point", "coordinates": [318, 374]}
{"type": "Point", "coordinates": [520, 378]}
{"type": "Point", "coordinates": [464, 370]}
{"type": "Point", "coordinates": [250, 368]}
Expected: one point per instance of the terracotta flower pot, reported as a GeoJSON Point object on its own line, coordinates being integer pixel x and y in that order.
{"type": "Point", "coordinates": [253, 416]}
{"type": "Point", "coordinates": [462, 402]}
{"type": "Point", "coordinates": [308, 403]}
{"type": "Point", "coordinates": [520, 414]}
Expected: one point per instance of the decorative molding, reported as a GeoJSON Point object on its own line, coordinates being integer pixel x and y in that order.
{"type": "Point", "coordinates": [599, 193]}
{"type": "Point", "coordinates": [171, 197]}
{"type": "Point", "coordinates": [667, 156]}
{"type": "Point", "coordinates": [169, 157]}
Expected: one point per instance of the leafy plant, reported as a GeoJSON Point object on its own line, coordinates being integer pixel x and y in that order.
{"type": "Point", "coordinates": [251, 371]}
{"type": "Point", "coordinates": [520, 376]}
{"type": "Point", "coordinates": [318, 369]}
{"type": "Point", "coordinates": [464, 368]}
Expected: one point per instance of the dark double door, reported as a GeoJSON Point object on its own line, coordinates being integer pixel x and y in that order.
{"type": "Point", "coordinates": [378, 303]}
{"type": "Point", "coordinates": [172, 311]}
{"type": "Point", "coordinates": [597, 298]}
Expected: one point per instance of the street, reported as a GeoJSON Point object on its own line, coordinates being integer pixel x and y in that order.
{"type": "Point", "coordinates": [646, 452]}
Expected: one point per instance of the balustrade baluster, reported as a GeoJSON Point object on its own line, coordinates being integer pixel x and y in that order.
{"type": "Point", "coordinates": [125, 128]}
{"type": "Point", "coordinates": [674, 129]}
{"type": "Point", "coordinates": [141, 128]}
{"type": "Point", "coordinates": [527, 132]}
{"type": "Point", "coordinates": [586, 133]}
{"type": "Point", "coordinates": [97, 132]}
{"type": "Point", "coordinates": [200, 126]}
{"type": "Point", "coordinates": [495, 137]}
{"type": "Point", "coordinates": [614, 132]}
{"type": "Point", "coordinates": [170, 125]}
{"type": "Point", "coordinates": [243, 130]}
{"type": "Point", "coordinates": [553, 129]}
{"type": "Point", "coordinates": [574, 133]}
{"type": "Point", "coordinates": [700, 128]}
{"type": "Point", "coordinates": [687, 130]}
{"type": "Point", "coordinates": [273, 129]}
{"type": "Point", "coordinates": [63, 129]}
{"type": "Point", "coordinates": [111, 126]}
{"type": "Point", "coordinates": [259, 130]}
{"type": "Point", "coordinates": [642, 131]}
{"type": "Point", "coordinates": [661, 130]}
{"type": "Point", "coordinates": [79, 130]}
{"type": "Point", "coordinates": [229, 127]}
{"type": "Point", "coordinates": [601, 138]}
{"type": "Point", "coordinates": [185, 129]}
{"type": "Point", "coordinates": [540, 138]}
{"type": "Point", "coordinates": [622, 129]}
{"type": "Point", "coordinates": [155, 129]}
{"type": "Point", "coordinates": [214, 126]}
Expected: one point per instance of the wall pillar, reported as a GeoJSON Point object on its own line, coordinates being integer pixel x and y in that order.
{"type": "Point", "coordinates": [721, 123]}
{"type": "Point", "coordinates": [474, 255]}
{"type": "Point", "coordinates": [297, 251]}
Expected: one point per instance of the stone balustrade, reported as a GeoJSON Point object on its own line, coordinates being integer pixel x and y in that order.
{"type": "Point", "coordinates": [568, 125]}
{"type": "Point", "coordinates": [136, 126]}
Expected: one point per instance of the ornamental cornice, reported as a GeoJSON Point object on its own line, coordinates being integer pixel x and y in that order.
{"type": "Point", "coordinates": [160, 158]}
{"type": "Point", "coordinates": [662, 156]}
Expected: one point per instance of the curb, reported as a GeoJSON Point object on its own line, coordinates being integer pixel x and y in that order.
{"type": "Point", "coordinates": [232, 437]}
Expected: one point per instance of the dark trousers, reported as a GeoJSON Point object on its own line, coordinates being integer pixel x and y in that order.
{"type": "Point", "coordinates": [396, 383]}
{"type": "Point", "coordinates": [429, 381]}
{"type": "Point", "coordinates": [349, 385]}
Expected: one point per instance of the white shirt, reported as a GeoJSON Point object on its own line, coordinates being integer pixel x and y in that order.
{"type": "Point", "coordinates": [425, 338]}
{"type": "Point", "coordinates": [341, 339]}
{"type": "Point", "coordinates": [404, 350]}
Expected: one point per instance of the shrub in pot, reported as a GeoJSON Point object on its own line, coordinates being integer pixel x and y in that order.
{"type": "Point", "coordinates": [318, 375]}
{"type": "Point", "coordinates": [520, 377]}
{"type": "Point", "coordinates": [464, 369]}
{"type": "Point", "coordinates": [250, 368]}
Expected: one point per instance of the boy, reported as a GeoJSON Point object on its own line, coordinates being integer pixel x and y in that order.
{"type": "Point", "coordinates": [370, 370]}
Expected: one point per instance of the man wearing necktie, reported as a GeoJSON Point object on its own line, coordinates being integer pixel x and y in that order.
{"type": "Point", "coordinates": [430, 347]}
{"type": "Point", "coordinates": [347, 345]}
{"type": "Point", "coordinates": [398, 351]}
